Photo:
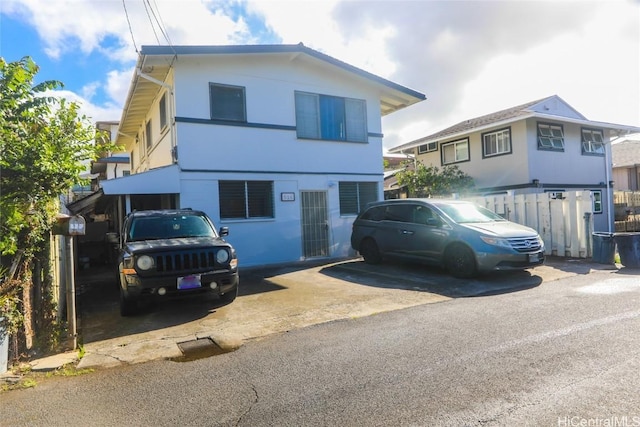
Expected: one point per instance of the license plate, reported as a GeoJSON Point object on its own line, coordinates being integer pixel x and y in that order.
{"type": "Point", "coordinates": [189, 282]}
{"type": "Point", "coordinates": [535, 257]}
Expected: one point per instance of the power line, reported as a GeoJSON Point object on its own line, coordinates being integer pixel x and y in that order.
{"type": "Point", "coordinates": [129, 24]}
{"type": "Point", "coordinates": [153, 27]}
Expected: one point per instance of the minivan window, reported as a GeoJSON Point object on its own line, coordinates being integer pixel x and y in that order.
{"type": "Point", "coordinates": [469, 213]}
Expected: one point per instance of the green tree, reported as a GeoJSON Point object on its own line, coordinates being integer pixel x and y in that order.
{"type": "Point", "coordinates": [45, 144]}
{"type": "Point", "coordinates": [426, 181]}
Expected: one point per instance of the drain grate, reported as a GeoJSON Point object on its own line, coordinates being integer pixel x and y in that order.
{"type": "Point", "coordinates": [198, 349]}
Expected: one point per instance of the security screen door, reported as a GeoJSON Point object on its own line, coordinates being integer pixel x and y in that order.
{"type": "Point", "coordinates": [315, 224]}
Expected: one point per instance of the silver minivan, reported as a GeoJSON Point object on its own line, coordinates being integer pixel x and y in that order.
{"type": "Point", "coordinates": [460, 236]}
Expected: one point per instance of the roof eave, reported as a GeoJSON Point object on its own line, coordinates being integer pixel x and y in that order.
{"type": "Point", "coordinates": [621, 129]}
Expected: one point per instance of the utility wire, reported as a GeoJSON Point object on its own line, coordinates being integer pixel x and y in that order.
{"type": "Point", "coordinates": [153, 27]}
{"type": "Point", "coordinates": [158, 19]}
{"type": "Point", "coordinates": [129, 23]}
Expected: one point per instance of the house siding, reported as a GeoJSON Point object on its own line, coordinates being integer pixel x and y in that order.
{"type": "Point", "coordinates": [264, 148]}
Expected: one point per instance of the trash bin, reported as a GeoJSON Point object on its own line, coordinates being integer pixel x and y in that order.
{"type": "Point", "coordinates": [604, 248]}
{"type": "Point", "coordinates": [628, 249]}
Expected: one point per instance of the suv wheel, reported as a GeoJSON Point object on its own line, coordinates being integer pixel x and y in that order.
{"type": "Point", "coordinates": [460, 262]}
{"type": "Point", "coordinates": [370, 252]}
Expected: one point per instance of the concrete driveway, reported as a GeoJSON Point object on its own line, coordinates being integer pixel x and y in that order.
{"type": "Point", "coordinates": [276, 300]}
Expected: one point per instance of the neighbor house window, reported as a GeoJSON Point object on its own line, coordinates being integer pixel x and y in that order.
{"type": "Point", "coordinates": [330, 117]}
{"type": "Point", "coordinates": [227, 102]}
{"type": "Point", "coordinates": [428, 147]}
{"type": "Point", "coordinates": [496, 143]}
{"type": "Point", "coordinates": [163, 111]}
{"type": "Point", "coordinates": [246, 199]}
{"type": "Point", "coordinates": [456, 151]}
{"type": "Point", "coordinates": [147, 136]}
{"type": "Point", "coordinates": [354, 196]}
{"type": "Point", "coordinates": [592, 141]}
{"type": "Point", "coordinates": [550, 137]}
{"type": "Point", "coordinates": [597, 201]}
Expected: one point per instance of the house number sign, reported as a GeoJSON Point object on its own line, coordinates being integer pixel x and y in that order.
{"type": "Point", "coordinates": [288, 197]}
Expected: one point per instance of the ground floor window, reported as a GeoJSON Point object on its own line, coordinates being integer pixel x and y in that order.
{"type": "Point", "coordinates": [354, 196]}
{"type": "Point", "coordinates": [246, 199]}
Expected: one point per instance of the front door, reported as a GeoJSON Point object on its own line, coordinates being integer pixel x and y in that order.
{"type": "Point", "coordinates": [315, 224]}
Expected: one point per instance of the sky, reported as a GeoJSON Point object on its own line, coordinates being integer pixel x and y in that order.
{"type": "Point", "coordinates": [469, 58]}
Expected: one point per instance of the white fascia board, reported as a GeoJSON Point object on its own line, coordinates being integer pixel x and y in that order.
{"type": "Point", "coordinates": [164, 180]}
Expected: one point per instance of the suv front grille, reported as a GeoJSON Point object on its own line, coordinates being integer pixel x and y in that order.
{"type": "Point", "coordinates": [188, 261]}
{"type": "Point", "coordinates": [527, 244]}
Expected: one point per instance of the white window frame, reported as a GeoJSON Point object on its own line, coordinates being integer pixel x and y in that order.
{"type": "Point", "coordinates": [428, 147]}
{"type": "Point", "coordinates": [240, 108]}
{"type": "Point", "coordinates": [162, 107]}
{"type": "Point", "coordinates": [148, 136]}
{"type": "Point", "coordinates": [590, 143]}
{"type": "Point", "coordinates": [460, 146]}
{"type": "Point", "coordinates": [498, 142]}
{"type": "Point", "coordinates": [550, 136]}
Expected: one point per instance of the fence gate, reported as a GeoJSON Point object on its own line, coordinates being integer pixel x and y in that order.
{"type": "Point", "coordinates": [315, 224]}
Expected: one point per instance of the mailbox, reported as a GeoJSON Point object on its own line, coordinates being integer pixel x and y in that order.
{"type": "Point", "coordinates": [71, 226]}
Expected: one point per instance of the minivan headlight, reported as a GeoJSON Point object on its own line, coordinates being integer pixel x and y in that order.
{"type": "Point", "coordinates": [496, 241]}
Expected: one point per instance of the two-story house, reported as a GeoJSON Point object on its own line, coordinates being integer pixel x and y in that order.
{"type": "Point", "coordinates": [540, 146]}
{"type": "Point", "coordinates": [280, 143]}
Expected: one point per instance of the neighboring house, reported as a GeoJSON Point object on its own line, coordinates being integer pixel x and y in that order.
{"type": "Point", "coordinates": [626, 164]}
{"type": "Point", "coordinates": [280, 143]}
{"type": "Point", "coordinates": [541, 146]}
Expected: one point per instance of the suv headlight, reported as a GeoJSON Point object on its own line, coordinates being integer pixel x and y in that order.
{"type": "Point", "coordinates": [222, 256]}
{"type": "Point", "coordinates": [496, 241]}
{"type": "Point", "coordinates": [145, 262]}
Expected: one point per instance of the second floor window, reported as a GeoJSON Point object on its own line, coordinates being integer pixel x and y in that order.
{"type": "Point", "coordinates": [496, 143]}
{"type": "Point", "coordinates": [428, 147]}
{"type": "Point", "coordinates": [163, 111]}
{"type": "Point", "coordinates": [330, 117]}
{"type": "Point", "coordinates": [227, 102]}
{"type": "Point", "coordinates": [550, 137]}
{"type": "Point", "coordinates": [592, 141]}
{"type": "Point", "coordinates": [147, 136]}
{"type": "Point", "coordinates": [455, 152]}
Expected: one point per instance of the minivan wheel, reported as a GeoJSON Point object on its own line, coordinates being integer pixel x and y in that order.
{"type": "Point", "coordinates": [460, 262]}
{"type": "Point", "coordinates": [370, 252]}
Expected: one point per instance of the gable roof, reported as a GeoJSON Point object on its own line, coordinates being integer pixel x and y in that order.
{"type": "Point", "coordinates": [626, 153]}
{"type": "Point", "coordinates": [549, 108]}
{"type": "Point", "coordinates": [155, 62]}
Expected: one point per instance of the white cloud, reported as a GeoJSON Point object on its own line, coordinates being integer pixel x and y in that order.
{"type": "Point", "coordinates": [468, 57]}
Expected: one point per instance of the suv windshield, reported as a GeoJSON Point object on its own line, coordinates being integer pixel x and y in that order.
{"type": "Point", "coordinates": [469, 213]}
{"type": "Point", "coordinates": [170, 227]}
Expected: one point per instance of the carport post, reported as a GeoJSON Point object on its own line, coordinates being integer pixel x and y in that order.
{"type": "Point", "coordinates": [71, 292]}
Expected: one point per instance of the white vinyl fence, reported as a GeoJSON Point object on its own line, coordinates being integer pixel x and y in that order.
{"type": "Point", "coordinates": [565, 224]}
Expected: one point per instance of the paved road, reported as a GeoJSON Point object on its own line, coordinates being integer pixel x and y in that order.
{"type": "Point", "coordinates": [563, 353]}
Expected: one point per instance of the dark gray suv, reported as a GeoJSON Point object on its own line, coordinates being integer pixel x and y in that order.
{"type": "Point", "coordinates": [167, 253]}
{"type": "Point", "coordinates": [460, 236]}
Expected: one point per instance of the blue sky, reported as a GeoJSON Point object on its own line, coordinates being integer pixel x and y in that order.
{"type": "Point", "coordinates": [469, 57]}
